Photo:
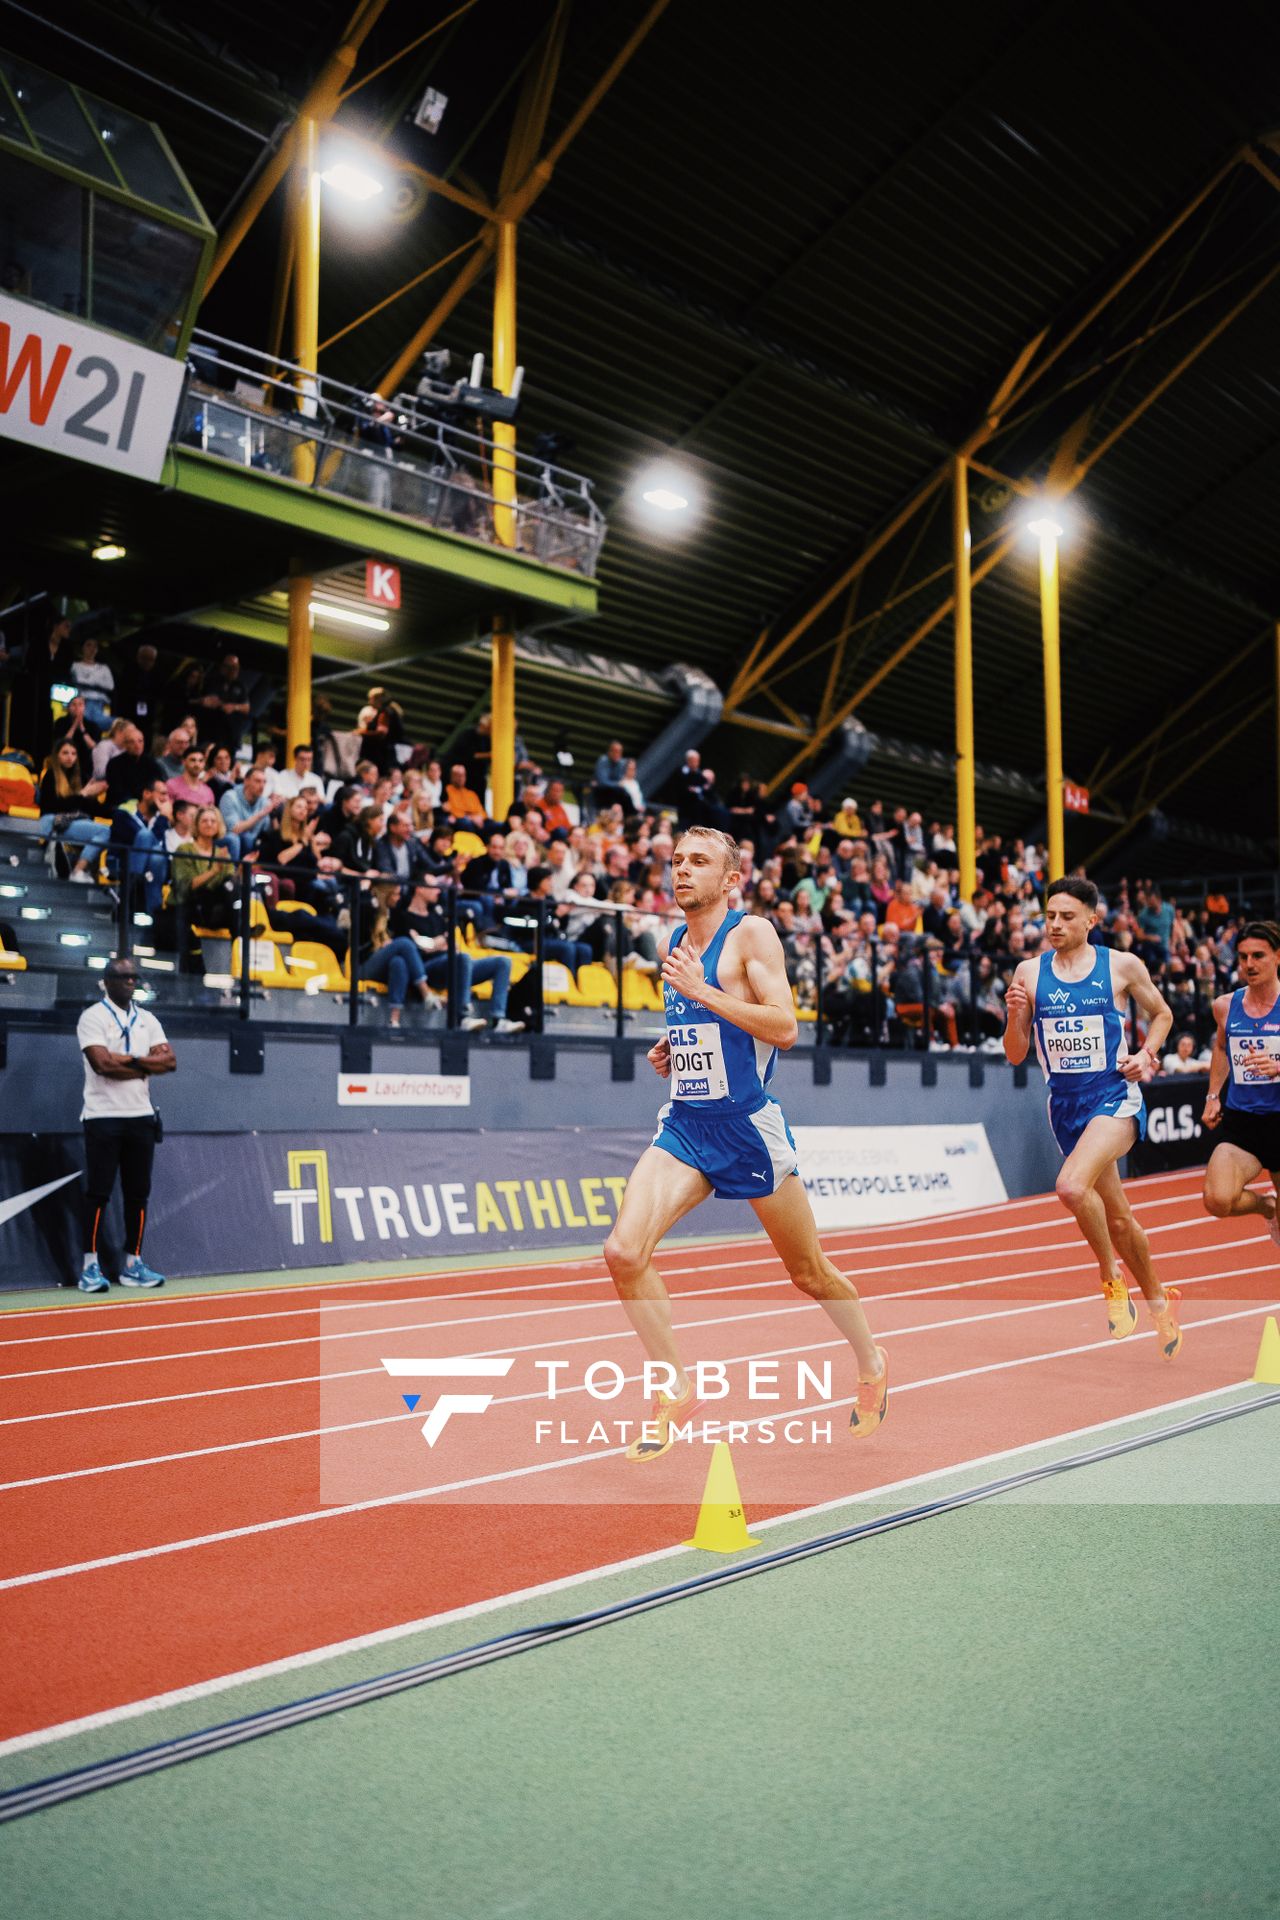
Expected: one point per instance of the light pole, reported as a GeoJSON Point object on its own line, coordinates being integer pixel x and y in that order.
{"type": "Point", "coordinates": [1048, 530]}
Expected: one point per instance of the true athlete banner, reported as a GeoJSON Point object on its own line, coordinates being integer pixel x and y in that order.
{"type": "Point", "coordinates": [251, 1202]}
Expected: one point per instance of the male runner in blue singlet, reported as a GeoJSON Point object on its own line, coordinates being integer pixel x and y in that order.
{"type": "Point", "coordinates": [729, 1011]}
{"type": "Point", "coordinates": [1072, 996]}
{"type": "Point", "coordinates": [1246, 1061]}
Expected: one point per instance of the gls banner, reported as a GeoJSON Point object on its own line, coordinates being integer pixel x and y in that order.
{"type": "Point", "coordinates": [1175, 1134]}
{"type": "Point", "coordinates": [74, 390]}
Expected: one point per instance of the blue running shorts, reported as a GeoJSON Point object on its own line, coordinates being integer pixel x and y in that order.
{"type": "Point", "coordinates": [1069, 1117]}
{"type": "Point", "coordinates": [745, 1156]}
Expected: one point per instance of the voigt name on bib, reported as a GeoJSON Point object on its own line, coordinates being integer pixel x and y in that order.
{"type": "Point", "coordinates": [697, 1062]}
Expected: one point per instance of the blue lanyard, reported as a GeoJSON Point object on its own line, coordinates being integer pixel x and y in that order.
{"type": "Point", "coordinates": [126, 1026]}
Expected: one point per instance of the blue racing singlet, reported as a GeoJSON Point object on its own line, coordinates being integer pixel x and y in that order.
{"type": "Point", "coordinates": [1247, 1038]}
{"type": "Point", "coordinates": [1078, 1029]}
{"type": "Point", "coordinates": [715, 1066]}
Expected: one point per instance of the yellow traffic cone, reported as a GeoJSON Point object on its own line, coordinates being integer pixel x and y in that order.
{"type": "Point", "coordinates": [722, 1525]}
{"type": "Point", "coordinates": [1267, 1371]}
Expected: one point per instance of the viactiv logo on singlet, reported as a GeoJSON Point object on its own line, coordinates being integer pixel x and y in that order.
{"type": "Point", "coordinates": [698, 1070]}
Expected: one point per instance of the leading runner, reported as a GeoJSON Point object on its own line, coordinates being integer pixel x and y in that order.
{"type": "Point", "coordinates": [1246, 1061]}
{"type": "Point", "coordinates": [1072, 996]}
{"type": "Point", "coordinates": [729, 1011]}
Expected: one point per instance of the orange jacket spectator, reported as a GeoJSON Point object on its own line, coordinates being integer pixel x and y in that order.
{"type": "Point", "coordinates": [902, 911]}
{"type": "Point", "coordinates": [459, 800]}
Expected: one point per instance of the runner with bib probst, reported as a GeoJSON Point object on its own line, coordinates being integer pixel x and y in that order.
{"type": "Point", "coordinates": [729, 1010]}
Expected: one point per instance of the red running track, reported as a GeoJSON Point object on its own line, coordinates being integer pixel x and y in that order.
{"type": "Point", "coordinates": [167, 1490]}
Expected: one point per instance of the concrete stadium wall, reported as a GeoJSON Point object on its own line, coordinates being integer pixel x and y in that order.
{"type": "Point", "coordinates": [298, 1093]}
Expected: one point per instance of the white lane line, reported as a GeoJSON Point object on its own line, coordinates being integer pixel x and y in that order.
{"type": "Point", "coordinates": [476, 1609]}
{"type": "Point", "coordinates": [592, 1340]}
{"type": "Point", "coordinates": [595, 1280]}
{"type": "Point", "coordinates": [284, 1521]}
{"type": "Point", "coordinates": [308, 1379]}
{"type": "Point", "coordinates": [593, 1306]}
{"type": "Point", "coordinates": [458, 1361]}
{"type": "Point", "coordinates": [1053, 1216]}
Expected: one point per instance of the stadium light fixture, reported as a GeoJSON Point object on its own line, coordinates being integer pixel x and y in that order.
{"type": "Point", "coordinates": [667, 497]}
{"type": "Point", "coordinates": [349, 616]}
{"type": "Point", "coordinates": [108, 550]}
{"type": "Point", "coordinates": [352, 181]}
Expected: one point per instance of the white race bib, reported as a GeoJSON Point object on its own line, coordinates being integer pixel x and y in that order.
{"type": "Point", "coordinates": [1075, 1043]}
{"type": "Point", "coordinates": [1246, 1050]}
{"type": "Point", "coordinates": [697, 1062]}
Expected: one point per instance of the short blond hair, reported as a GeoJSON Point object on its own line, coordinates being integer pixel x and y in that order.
{"type": "Point", "coordinates": [726, 841]}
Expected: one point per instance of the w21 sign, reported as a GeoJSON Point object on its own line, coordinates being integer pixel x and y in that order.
{"type": "Point", "coordinates": [91, 396]}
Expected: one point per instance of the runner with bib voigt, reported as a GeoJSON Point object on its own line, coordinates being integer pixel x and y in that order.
{"type": "Point", "coordinates": [1246, 1066]}
{"type": "Point", "coordinates": [729, 1011]}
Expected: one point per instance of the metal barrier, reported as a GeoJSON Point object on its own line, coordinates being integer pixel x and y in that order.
{"type": "Point", "coordinates": [277, 418]}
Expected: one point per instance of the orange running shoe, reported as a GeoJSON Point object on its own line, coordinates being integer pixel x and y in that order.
{"type": "Point", "coordinates": [871, 1400]}
{"type": "Point", "coordinates": [1168, 1332]}
{"type": "Point", "coordinates": [1122, 1315]}
{"type": "Point", "coordinates": [655, 1436]}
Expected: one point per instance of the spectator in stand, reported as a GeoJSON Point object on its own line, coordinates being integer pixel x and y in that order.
{"type": "Point", "coordinates": [224, 703]}
{"type": "Point", "coordinates": [796, 816]}
{"type": "Point", "coordinates": [341, 812]}
{"type": "Point", "coordinates": [174, 752]}
{"type": "Point", "coordinates": [743, 806]}
{"type": "Point", "coordinates": [422, 917]}
{"type": "Point", "coordinates": [942, 844]}
{"type": "Point", "coordinates": [182, 821]}
{"type": "Point", "coordinates": [140, 834]}
{"type": "Point", "coordinates": [991, 864]}
{"type": "Point", "coordinates": [631, 787]}
{"type": "Point", "coordinates": [555, 815]}
{"type": "Point", "coordinates": [464, 807]}
{"type": "Point", "coordinates": [610, 772]}
{"type": "Point", "coordinates": [489, 875]}
{"type": "Point", "coordinates": [520, 857]}
{"type": "Point", "coordinates": [418, 811]}
{"type": "Point", "coordinates": [191, 784]}
{"type": "Point", "coordinates": [264, 759]}
{"type": "Point", "coordinates": [398, 855]}
{"type": "Point", "coordinates": [131, 772]}
{"type": "Point", "coordinates": [138, 694]}
{"type": "Point", "coordinates": [913, 840]}
{"type": "Point", "coordinates": [95, 680]}
{"type": "Point", "coordinates": [1155, 920]}
{"type": "Point", "coordinates": [111, 744]}
{"type": "Point", "coordinates": [356, 847]}
{"type": "Point", "coordinates": [219, 772]}
{"type": "Point", "coordinates": [570, 953]}
{"type": "Point", "coordinates": [902, 910]}
{"type": "Point", "coordinates": [68, 809]}
{"type": "Point", "coordinates": [204, 880]}
{"type": "Point", "coordinates": [246, 810]}
{"type": "Point", "coordinates": [381, 702]}
{"type": "Point", "coordinates": [433, 784]}
{"type": "Point", "coordinates": [294, 780]}
{"type": "Point", "coordinates": [47, 665]}
{"type": "Point", "coordinates": [76, 726]}
{"type": "Point", "coordinates": [846, 822]}
{"type": "Point", "coordinates": [818, 889]}
{"type": "Point", "coordinates": [1187, 1057]}
{"type": "Point", "coordinates": [936, 914]}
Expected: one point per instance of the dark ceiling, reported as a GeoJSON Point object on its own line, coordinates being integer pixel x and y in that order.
{"type": "Point", "coordinates": [800, 252]}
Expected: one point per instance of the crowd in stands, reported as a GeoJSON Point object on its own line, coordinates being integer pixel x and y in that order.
{"type": "Point", "coordinates": [154, 768]}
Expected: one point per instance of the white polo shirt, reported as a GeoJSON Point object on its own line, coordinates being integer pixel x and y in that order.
{"type": "Point", "coordinates": [104, 1025]}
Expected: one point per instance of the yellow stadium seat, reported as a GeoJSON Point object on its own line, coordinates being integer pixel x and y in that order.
{"type": "Point", "coordinates": [312, 961]}
{"type": "Point", "coordinates": [23, 813]}
{"type": "Point", "coordinates": [595, 987]}
{"type": "Point", "coordinates": [641, 992]}
{"type": "Point", "coordinates": [469, 843]}
{"type": "Point", "coordinates": [558, 984]}
{"type": "Point", "coordinates": [294, 906]}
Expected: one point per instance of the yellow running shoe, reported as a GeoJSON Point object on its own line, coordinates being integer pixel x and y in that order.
{"type": "Point", "coordinates": [1168, 1332]}
{"type": "Point", "coordinates": [871, 1401]}
{"type": "Point", "coordinates": [1122, 1315]}
{"type": "Point", "coordinates": [655, 1437]}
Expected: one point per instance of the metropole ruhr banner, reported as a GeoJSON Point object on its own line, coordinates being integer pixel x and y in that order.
{"type": "Point", "coordinates": [1175, 1134]}
{"type": "Point", "coordinates": [254, 1202]}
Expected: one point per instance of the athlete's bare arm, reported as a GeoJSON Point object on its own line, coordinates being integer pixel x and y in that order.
{"type": "Point", "coordinates": [659, 1054]}
{"type": "Point", "coordinates": [1219, 1064]}
{"type": "Point", "coordinates": [752, 953]}
{"type": "Point", "coordinates": [1129, 973]}
{"type": "Point", "coordinates": [1019, 1006]}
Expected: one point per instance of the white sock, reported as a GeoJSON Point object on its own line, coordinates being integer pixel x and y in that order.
{"type": "Point", "coordinates": [90, 1260]}
{"type": "Point", "coordinates": [132, 1260]}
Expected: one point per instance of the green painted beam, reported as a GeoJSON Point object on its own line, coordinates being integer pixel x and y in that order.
{"type": "Point", "coordinates": [491, 570]}
{"type": "Point", "coordinates": [246, 625]}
